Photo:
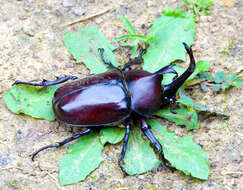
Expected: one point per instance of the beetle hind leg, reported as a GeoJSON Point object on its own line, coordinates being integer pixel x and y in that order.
{"type": "Point", "coordinates": [59, 144]}
{"type": "Point", "coordinates": [46, 83]}
{"type": "Point", "coordinates": [148, 133]}
{"type": "Point", "coordinates": [124, 147]}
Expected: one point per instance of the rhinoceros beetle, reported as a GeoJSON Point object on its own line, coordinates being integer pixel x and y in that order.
{"type": "Point", "coordinates": [114, 97]}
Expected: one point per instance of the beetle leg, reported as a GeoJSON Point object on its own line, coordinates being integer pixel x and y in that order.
{"type": "Point", "coordinates": [59, 144]}
{"type": "Point", "coordinates": [45, 83]}
{"type": "Point", "coordinates": [148, 133]}
{"type": "Point", "coordinates": [136, 60]}
{"type": "Point", "coordinates": [141, 52]}
{"type": "Point", "coordinates": [172, 102]}
{"type": "Point", "coordinates": [101, 51]}
{"type": "Point", "coordinates": [124, 147]}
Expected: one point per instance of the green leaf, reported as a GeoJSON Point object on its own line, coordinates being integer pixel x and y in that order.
{"type": "Point", "coordinates": [238, 82]}
{"type": "Point", "coordinates": [33, 101]}
{"type": "Point", "coordinates": [213, 113]}
{"type": "Point", "coordinates": [168, 78]}
{"type": "Point", "coordinates": [225, 86]}
{"type": "Point", "coordinates": [82, 158]}
{"type": "Point", "coordinates": [186, 100]}
{"type": "Point", "coordinates": [183, 116]}
{"type": "Point", "coordinates": [112, 135]}
{"type": "Point", "coordinates": [139, 157]}
{"type": "Point", "coordinates": [135, 36]}
{"type": "Point", "coordinates": [134, 50]}
{"type": "Point", "coordinates": [216, 87]}
{"type": "Point", "coordinates": [84, 44]}
{"type": "Point", "coordinates": [199, 7]}
{"type": "Point", "coordinates": [200, 107]}
{"type": "Point", "coordinates": [219, 77]}
{"type": "Point", "coordinates": [233, 77]}
{"type": "Point", "coordinates": [189, 102]}
{"type": "Point", "coordinates": [201, 66]}
{"type": "Point", "coordinates": [182, 153]}
{"type": "Point", "coordinates": [206, 76]}
{"type": "Point", "coordinates": [169, 31]}
{"type": "Point", "coordinates": [128, 25]}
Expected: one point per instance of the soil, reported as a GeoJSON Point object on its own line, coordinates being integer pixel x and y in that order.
{"type": "Point", "coordinates": [31, 48]}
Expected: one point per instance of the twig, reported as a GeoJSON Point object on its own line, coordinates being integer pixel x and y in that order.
{"type": "Point", "coordinates": [11, 167]}
{"type": "Point", "coordinates": [87, 18]}
{"type": "Point", "coordinates": [231, 172]}
{"type": "Point", "coordinates": [55, 180]}
{"type": "Point", "coordinates": [207, 83]}
{"type": "Point", "coordinates": [240, 134]}
{"type": "Point", "coordinates": [225, 184]}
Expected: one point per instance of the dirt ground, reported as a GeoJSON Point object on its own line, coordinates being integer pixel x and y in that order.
{"type": "Point", "coordinates": [31, 48]}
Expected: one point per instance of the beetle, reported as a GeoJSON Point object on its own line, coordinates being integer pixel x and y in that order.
{"type": "Point", "coordinates": [114, 97]}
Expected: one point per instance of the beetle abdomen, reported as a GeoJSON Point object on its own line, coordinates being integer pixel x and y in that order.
{"type": "Point", "coordinates": [93, 105]}
{"type": "Point", "coordinates": [108, 77]}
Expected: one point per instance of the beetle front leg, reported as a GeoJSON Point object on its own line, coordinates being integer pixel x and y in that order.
{"type": "Point", "coordinates": [171, 101]}
{"type": "Point", "coordinates": [124, 147]}
{"type": "Point", "coordinates": [101, 51]}
{"type": "Point", "coordinates": [59, 144]}
{"type": "Point", "coordinates": [148, 133]}
{"type": "Point", "coordinates": [136, 60]}
{"type": "Point", "coordinates": [46, 83]}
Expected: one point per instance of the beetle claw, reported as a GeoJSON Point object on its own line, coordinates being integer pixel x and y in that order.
{"type": "Point", "coordinates": [172, 102]}
{"type": "Point", "coordinates": [172, 108]}
{"type": "Point", "coordinates": [124, 173]}
{"type": "Point", "coordinates": [41, 149]}
{"type": "Point", "coordinates": [160, 167]}
{"type": "Point", "coordinates": [167, 165]}
{"type": "Point", "coordinates": [175, 77]}
{"type": "Point", "coordinates": [163, 166]}
{"type": "Point", "coordinates": [101, 50]}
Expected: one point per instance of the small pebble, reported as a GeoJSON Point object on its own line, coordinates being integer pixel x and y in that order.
{"type": "Point", "coordinates": [241, 154]}
{"type": "Point", "coordinates": [68, 3]}
{"type": "Point", "coordinates": [54, 68]}
{"type": "Point", "coordinates": [213, 165]}
{"type": "Point", "coordinates": [141, 177]}
{"type": "Point", "coordinates": [79, 11]}
{"type": "Point", "coordinates": [4, 159]}
{"type": "Point", "coordinates": [210, 182]}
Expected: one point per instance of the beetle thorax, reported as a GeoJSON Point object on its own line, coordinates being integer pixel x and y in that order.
{"type": "Point", "coordinates": [145, 91]}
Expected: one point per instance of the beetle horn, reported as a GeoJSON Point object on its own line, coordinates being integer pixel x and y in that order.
{"type": "Point", "coordinates": [171, 89]}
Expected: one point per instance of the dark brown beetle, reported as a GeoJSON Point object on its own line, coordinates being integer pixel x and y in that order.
{"type": "Point", "coordinates": [113, 97]}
